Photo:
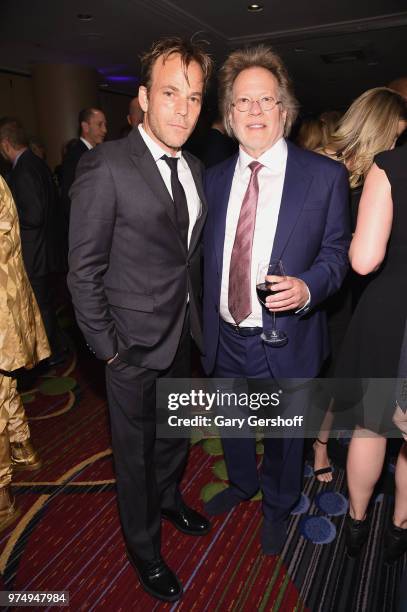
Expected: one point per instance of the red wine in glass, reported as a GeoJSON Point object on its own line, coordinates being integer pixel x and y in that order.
{"type": "Point", "coordinates": [266, 284]}
{"type": "Point", "coordinates": [265, 289]}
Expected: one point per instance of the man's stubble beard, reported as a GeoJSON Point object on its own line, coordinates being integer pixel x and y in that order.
{"type": "Point", "coordinates": [163, 138]}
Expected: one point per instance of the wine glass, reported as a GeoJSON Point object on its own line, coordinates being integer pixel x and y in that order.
{"type": "Point", "coordinates": [266, 279]}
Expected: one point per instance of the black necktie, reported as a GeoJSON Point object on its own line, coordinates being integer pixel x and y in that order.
{"type": "Point", "coordinates": [179, 197]}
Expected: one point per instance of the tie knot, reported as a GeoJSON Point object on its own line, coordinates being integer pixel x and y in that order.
{"type": "Point", "coordinates": [255, 167]}
{"type": "Point", "coordinates": [171, 161]}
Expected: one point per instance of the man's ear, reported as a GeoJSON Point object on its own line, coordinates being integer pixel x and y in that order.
{"type": "Point", "coordinates": [84, 127]}
{"type": "Point", "coordinates": [143, 98]}
{"type": "Point", "coordinates": [5, 146]}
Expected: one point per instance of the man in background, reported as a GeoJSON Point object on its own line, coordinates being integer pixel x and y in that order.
{"type": "Point", "coordinates": [92, 132]}
{"type": "Point", "coordinates": [400, 85]}
{"type": "Point", "coordinates": [135, 115]}
{"type": "Point", "coordinates": [217, 145]}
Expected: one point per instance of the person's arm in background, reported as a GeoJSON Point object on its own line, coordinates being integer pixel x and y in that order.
{"type": "Point", "coordinates": [375, 218]}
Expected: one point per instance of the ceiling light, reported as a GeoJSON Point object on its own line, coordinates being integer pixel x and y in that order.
{"type": "Point", "coordinates": [255, 8]}
{"type": "Point", "coordinates": [84, 16]}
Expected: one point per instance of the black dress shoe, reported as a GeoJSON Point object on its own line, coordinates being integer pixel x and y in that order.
{"type": "Point", "coordinates": [356, 534]}
{"type": "Point", "coordinates": [157, 579]}
{"type": "Point", "coordinates": [187, 520]}
{"type": "Point", "coordinates": [395, 543]}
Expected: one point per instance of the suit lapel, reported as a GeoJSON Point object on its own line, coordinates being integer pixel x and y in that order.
{"type": "Point", "coordinates": [202, 213]}
{"type": "Point", "coordinates": [146, 165]}
{"type": "Point", "coordinates": [220, 207]}
{"type": "Point", "coordinates": [82, 147]}
{"type": "Point", "coordinates": [296, 185]}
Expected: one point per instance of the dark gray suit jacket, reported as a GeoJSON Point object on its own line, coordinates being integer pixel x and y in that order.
{"type": "Point", "coordinates": [129, 272]}
{"type": "Point", "coordinates": [68, 169]}
{"type": "Point", "coordinates": [34, 193]}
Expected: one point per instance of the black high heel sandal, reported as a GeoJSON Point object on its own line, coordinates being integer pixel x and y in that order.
{"type": "Point", "coordinates": [325, 470]}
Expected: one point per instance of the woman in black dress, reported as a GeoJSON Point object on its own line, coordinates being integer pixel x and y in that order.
{"type": "Point", "coordinates": [373, 343]}
{"type": "Point", "coordinates": [400, 415]}
{"type": "Point", "coordinates": [372, 124]}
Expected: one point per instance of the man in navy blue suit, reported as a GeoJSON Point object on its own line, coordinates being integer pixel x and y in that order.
{"type": "Point", "coordinates": [272, 200]}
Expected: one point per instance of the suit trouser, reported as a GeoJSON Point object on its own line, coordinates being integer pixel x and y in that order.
{"type": "Point", "coordinates": [148, 469]}
{"type": "Point", "coordinates": [282, 469]}
{"type": "Point", "coordinates": [43, 287]}
{"type": "Point", "coordinates": [13, 424]}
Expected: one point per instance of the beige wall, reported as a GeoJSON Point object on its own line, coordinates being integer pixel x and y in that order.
{"type": "Point", "coordinates": [17, 100]}
{"type": "Point", "coordinates": [116, 107]}
{"type": "Point", "coordinates": [60, 91]}
{"type": "Point", "coordinates": [48, 107]}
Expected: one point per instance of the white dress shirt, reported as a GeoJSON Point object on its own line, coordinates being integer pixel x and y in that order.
{"type": "Point", "coordinates": [271, 181]}
{"type": "Point", "coordinates": [86, 143]}
{"type": "Point", "coordinates": [17, 157]}
{"type": "Point", "coordinates": [184, 175]}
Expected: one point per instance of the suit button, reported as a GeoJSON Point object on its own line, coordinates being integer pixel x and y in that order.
{"type": "Point", "coordinates": [216, 308]}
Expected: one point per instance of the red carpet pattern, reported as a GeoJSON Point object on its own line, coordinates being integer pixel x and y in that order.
{"type": "Point", "coordinates": [68, 536]}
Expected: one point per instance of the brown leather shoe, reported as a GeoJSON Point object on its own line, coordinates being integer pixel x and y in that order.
{"type": "Point", "coordinates": [24, 456]}
{"type": "Point", "coordinates": [8, 511]}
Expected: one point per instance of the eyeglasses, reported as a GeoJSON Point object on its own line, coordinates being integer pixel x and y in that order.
{"type": "Point", "coordinates": [266, 103]}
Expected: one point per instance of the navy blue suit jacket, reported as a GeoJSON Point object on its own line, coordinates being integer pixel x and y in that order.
{"type": "Point", "coordinates": [312, 240]}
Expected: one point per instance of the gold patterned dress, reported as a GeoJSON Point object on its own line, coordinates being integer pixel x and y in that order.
{"type": "Point", "coordinates": [23, 341]}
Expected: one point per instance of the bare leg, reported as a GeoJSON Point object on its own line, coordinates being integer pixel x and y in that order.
{"type": "Point", "coordinates": [400, 509]}
{"type": "Point", "coordinates": [321, 459]}
{"type": "Point", "coordinates": [364, 466]}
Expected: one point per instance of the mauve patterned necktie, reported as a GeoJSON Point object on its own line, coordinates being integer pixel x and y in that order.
{"type": "Point", "coordinates": [240, 295]}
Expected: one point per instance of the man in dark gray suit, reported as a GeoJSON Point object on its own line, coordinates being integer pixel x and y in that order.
{"type": "Point", "coordinates": [92, 132]}
{"type": "Point", "coordinates": [137, 214]}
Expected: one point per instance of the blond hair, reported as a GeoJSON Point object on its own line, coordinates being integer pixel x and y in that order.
{"type": "Point", "coordinates": [368, 127]}
{"type": "Point", "coordinates": [310, 134]}
{"type": "Point", "coordinates": [260, 56]}
{"type": "Point", "coordinates": [329, 122]}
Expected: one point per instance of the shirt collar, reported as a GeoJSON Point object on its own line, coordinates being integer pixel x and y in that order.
{"type": "Point", "coordinates": [156, 151]}
{"type": "Point", "coordinates": [86, 143]}
{"type": "Point", "coordinates": [17, 157]}
{"type": "Point", "coordinates": [274, 158]}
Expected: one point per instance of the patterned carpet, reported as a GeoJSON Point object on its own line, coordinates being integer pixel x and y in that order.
{"type": "Point", "coordinates": [68, 536]}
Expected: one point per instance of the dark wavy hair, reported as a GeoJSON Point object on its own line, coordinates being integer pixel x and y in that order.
{"type": "Point", "coordinates": [188, 50]}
